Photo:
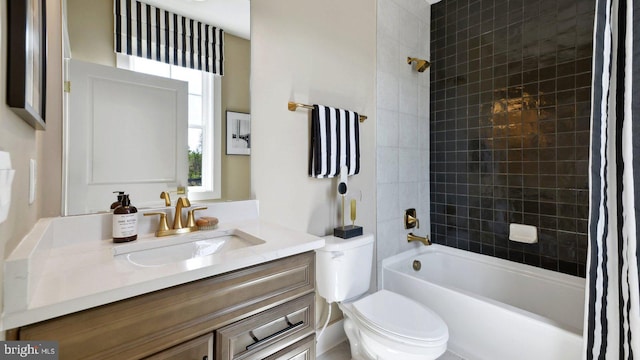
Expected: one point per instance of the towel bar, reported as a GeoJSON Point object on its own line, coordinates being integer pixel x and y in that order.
{"type": "Point", "coordinates": [292, 106]}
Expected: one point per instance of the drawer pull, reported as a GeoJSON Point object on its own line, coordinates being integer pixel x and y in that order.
{"type": "Point", "coordinates": [258, 342]}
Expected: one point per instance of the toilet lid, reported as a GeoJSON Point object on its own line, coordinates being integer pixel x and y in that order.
{"type": "Point", "coordinates": [401, 316]}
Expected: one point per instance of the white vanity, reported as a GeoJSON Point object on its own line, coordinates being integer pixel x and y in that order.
{"type": "Point", "coordinates": [248, 290]}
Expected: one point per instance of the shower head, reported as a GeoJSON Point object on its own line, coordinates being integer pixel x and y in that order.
{"type": "Point", "coordinates": [421, 65]}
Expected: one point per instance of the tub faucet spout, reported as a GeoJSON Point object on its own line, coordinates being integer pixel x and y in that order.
{"type": "Point", "coordinates": [423, 239]}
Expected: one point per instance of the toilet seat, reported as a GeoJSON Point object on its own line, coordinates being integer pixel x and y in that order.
{"type": "Point", "coordinates": [400, 318]}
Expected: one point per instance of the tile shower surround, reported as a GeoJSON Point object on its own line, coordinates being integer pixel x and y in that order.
{"type": "Point", "coordinates": [510, 107]}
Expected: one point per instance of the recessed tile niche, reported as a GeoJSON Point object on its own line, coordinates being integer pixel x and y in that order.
{"type": "Point", "coordinates": [509, 127]}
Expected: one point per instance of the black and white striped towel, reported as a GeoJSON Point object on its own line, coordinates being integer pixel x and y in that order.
{"type": "Point", "coordinates": [335, 142]}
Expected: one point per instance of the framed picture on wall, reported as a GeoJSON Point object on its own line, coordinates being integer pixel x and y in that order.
{"type": "Point", "coordinates": [238, 133]}
{"type": "Point", "coordinates": [27, 60]}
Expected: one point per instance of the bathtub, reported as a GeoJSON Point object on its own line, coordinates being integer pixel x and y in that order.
{"type": "Point", "coordinates": [495, 309]}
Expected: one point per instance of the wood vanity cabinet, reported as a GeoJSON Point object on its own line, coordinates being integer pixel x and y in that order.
{"type": "Point", "coordinates": [263, 311]}
{"type": "Point", "coordinates": [200, 348]}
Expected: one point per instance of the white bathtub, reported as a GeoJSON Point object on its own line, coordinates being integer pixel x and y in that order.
{"type": "Point", "coordinates": [495, 309]}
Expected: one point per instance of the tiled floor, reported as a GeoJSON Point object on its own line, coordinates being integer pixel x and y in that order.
{"type": "Point", "coordinates": [450, 356]}
{"type": "Point", "coordinates": [342, 352]}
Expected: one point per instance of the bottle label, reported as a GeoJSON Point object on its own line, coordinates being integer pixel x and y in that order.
{"type": "Point", "coordinates": [125, 225]}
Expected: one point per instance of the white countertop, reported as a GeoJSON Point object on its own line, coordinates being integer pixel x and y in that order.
{"type": "Point", "coordinates": [66, 277]}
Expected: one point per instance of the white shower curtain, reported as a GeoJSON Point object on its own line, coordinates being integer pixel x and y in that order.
{"type": "Point", "coordinates": [612, 318]}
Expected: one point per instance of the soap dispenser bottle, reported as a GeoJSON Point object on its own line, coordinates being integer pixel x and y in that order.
{"type": "Point", "coordinates": [117, 203]}
{"type": "Point", "coordinates": [125, 221]}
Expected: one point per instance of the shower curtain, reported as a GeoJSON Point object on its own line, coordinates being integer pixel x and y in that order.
{"type": "Point", "coordinates": [612, 318]}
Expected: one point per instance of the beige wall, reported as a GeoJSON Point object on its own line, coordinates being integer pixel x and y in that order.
{"type": "Point", "coordinates": [90, 26]}
{"type": "Point", "coordinates": [50, 141]}
{"type": "Point", "coordinates": [25, 143]}
{"type": "Point", "coordinates": [236, 181]}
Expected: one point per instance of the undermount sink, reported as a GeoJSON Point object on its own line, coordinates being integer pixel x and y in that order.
{"type": "Point", "coordinates": [162, 251]}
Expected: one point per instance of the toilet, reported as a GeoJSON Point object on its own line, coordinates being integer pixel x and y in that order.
{"type": "Point", "coordinates": [382, 325]}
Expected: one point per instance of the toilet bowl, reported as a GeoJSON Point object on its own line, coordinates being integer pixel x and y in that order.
{"type": "Point", "coordinates": [382, 325]}
{"type": "Point", "coordinates": [386, 325]}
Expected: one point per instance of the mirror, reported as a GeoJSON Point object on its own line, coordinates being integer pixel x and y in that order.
{"type": "Point", "coordinates": [89, 37]}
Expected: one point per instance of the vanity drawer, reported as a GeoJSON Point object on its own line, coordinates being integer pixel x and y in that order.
{"type": "Point", "coordinates": [304, 349]}
{"type": "Point", "coordinates": [268, 332]}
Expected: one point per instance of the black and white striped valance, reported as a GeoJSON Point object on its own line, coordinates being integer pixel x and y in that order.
{"type": "Point", "coordinates": [147, 31]}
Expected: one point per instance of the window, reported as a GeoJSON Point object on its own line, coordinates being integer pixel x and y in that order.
{"type": "Point", "coordinates": [204, 121]}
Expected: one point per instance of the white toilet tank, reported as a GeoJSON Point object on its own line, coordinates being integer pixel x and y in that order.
{"type": "Point", "coordinates": [343, 267]}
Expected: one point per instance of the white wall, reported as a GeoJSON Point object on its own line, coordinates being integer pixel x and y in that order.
{"type": "Point", "coordinates": [309, 52]}
{"type": "Point", "coordinates": [403, 123]}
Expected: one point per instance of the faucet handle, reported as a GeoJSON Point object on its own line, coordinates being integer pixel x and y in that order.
{"type": "Point", "coordinates": [167, 199]}
{"type": "Point", "coordinates": [410, 219]}
{"type": "Point", "coordinates": [191, 221]}
{"type": "Point", "coordinates": [162, 225]}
